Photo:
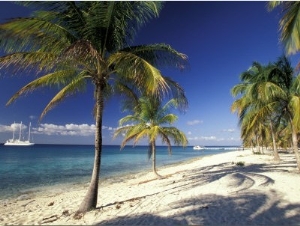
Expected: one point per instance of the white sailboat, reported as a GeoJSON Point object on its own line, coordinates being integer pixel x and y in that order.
{"type": "Point", "coordinates": [19, 142]}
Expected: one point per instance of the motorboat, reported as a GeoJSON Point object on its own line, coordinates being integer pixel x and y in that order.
{"type": "Point", "coordinates": [198, 147]}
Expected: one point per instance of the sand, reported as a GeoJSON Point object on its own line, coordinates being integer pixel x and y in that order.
{"type": "Point", "coordinates": [213, 190]}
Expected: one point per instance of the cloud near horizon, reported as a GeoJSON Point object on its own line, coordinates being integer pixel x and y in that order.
{"type": "Point", "coordinates": [65, 130]}
{"type": "Point", "coordinates": [61, 130]}
{"type": "Point", "coordinates": [12, 127]}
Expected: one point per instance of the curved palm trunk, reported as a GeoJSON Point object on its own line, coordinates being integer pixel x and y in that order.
{"type": "Point", "coordinates": [295, 145]}
{"type": "Point", "coordinates": [154, 159]}
{"type": "Point", "coordinates": [90, 200]}
{"type": "Point", "coordinates": [276, 155]}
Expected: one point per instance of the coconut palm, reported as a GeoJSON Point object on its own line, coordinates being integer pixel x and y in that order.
{"type": "Point", "coordinates": [72, 44]}
{"type": "Point", "coordinates": [148, 121]}
{"type": "Point", "coordinates": [288, 99]}
{"type": "Point", "coordinates": [280, 95]}
{"type": "Point", "coordinates": [253, 106]}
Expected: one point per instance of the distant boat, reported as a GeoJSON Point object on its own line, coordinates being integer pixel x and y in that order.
{"type": "Point", "coordinates": [19, 142]}
{"type": "Point", "coordinates": [198, 147]}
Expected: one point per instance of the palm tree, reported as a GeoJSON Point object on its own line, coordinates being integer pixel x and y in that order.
{"type": "Point", "coordinates": [280, 95]}
{"type": "Point", "coordinates": [287, 99]}
{"type": "Point", "coordinates": [71, 44]}
{"type": "Point", "coordinates": [253, 106]}
{"type": "Point", "coordinates": [148, 120]}
{"type": "Point", "coordinates": [289, 24]}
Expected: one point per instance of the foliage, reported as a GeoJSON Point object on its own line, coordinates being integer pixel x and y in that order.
{"type": "Point", "coordinates": [268, 105]}
{"type": "Point", "coordinates": [289, 24]}
{"type": "Point", "coordinates": [240, 163]}
{"type": "Point", "coordinates": [69, 45]}
{"type": "Point", "coordinates": [150, 119]}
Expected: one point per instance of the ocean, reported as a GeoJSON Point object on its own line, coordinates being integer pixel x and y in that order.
{"type": "Point", "coordinates": [25, 168]}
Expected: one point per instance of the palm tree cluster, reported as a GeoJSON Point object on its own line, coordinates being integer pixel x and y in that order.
{"type": "Point", "coordinates": [69, 45]}
{"type": "Point", "coordinates": [268, 106]}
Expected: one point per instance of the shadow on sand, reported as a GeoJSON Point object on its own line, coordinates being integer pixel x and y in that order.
{"type": "Point", "coordinates": [244, 206]}
{"type": "Point", "coordinates": [246, 209]}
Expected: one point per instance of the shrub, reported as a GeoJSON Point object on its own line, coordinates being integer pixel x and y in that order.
{"type": "Point", "coordinates": [240, 163]}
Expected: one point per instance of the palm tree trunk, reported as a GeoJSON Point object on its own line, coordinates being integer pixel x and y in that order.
{"type": "Point", "coordinates": [295, 145]}
{"type": "Point", "coordinates": [276, 155]}
{"type": "Point", "coordinates": [257, 145]}
{"type": "Point", "coordinates": [90, 200]}
{"type": "Point", "coordinates": [154, 159]}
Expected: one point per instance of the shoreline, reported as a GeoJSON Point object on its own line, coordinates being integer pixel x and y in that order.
{"type": "Point", "coordinates": [211, 190]}
{"type": "Point", "coordinates": [22, 175]}
{"type": "Point", "coordinates": [103, 179]}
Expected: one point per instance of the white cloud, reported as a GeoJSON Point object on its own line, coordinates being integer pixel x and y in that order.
{"type": "Point", "coordinates": [65, 130]}
{"type": "Point", "coordinates": [12, 127]}
{"type": "Point", "coordinates": [68, 129]}
{"type": "Point", "coordinates": [4, 128]}
{"type": "Point", "coordinates": [194, 122]}
{"type": "Point", "coordinates": [189, 133]}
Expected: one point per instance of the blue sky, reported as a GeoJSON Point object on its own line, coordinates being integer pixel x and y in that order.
{"type": "Point", "coordinates": [221, 40]}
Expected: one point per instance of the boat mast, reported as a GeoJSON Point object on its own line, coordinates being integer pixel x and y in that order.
{"type": "Point", "coordinates": [14, 132]}
{"type": "Point", "coordinates": [20, 131]}
{"type": "Point", "coordinates": [29, 132]}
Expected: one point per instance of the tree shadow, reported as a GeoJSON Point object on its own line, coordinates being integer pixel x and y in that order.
{"type": "Point", "coordinates": [245, 209]}
{"type": "Point", "coordinates": [246, 205]}
{"type": "Point", "coordinates": [143, 219]}
{"type": "Point", "coordinates": [243, 178]}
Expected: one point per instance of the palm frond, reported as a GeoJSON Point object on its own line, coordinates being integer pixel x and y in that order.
{"type": "Point", "coordinates": [138, 71]}
{"type": "Point", "coordinates": [160, 55]}
{"type": "Point", "coordinates": [25, 34]}
{"type": "Point", "coordinates": [28, 62]}
{"type": "Point", "coordinates": [289, 24]}
{"type": "Point", "coordinates": [76, 85]}
{"type": "Point", "coordinates": [295, 106]}
{"type": "Point", "coordinates": [57, 78]}
{"type": "Point", "coordinates": [178, 98]}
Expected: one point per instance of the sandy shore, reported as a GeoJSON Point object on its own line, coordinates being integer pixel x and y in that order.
{"type": "Point", "coordinates": [213, 190]}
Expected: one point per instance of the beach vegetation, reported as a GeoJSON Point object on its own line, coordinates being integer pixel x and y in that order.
{"type": "Point", "coordinates": [152, 120]}
{"type": "Point", "coordinates": [256, 118]}
{"type": "Point", "coordinates": [69, 45]}
{"type": "Point", "coordinates": [240, 163]}
{"type": "Point", "coordinates": [269, 100]}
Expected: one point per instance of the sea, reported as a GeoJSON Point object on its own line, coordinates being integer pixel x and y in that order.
{"type": "Point", "coordinates": [28, 167]}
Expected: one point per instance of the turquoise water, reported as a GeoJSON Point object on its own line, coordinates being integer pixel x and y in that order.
{"type": "Point", "coordinates": [24, 168]}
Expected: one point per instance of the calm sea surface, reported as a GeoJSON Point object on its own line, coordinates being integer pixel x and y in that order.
{"type": "Point", "coordinates": [23, 168]}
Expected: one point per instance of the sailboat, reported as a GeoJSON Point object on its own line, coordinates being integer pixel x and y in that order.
{"type": "Point", "coordinates": [19, 142]}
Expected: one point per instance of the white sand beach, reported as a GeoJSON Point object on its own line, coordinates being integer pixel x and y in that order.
{"type": "Point", "coordinates": [213, 190]}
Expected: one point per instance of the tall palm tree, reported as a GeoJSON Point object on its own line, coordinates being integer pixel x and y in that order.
{"type": "Point", "coordinates": [148, 121]}
{"type": "Point", "coordinates": [280, 95]}
{"type": "Point", "coordinates": [70, 44]}
{"type": "Point", "coordinates": [287, 99]}
{"type": "Point", "coordinates": [253, 106]}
